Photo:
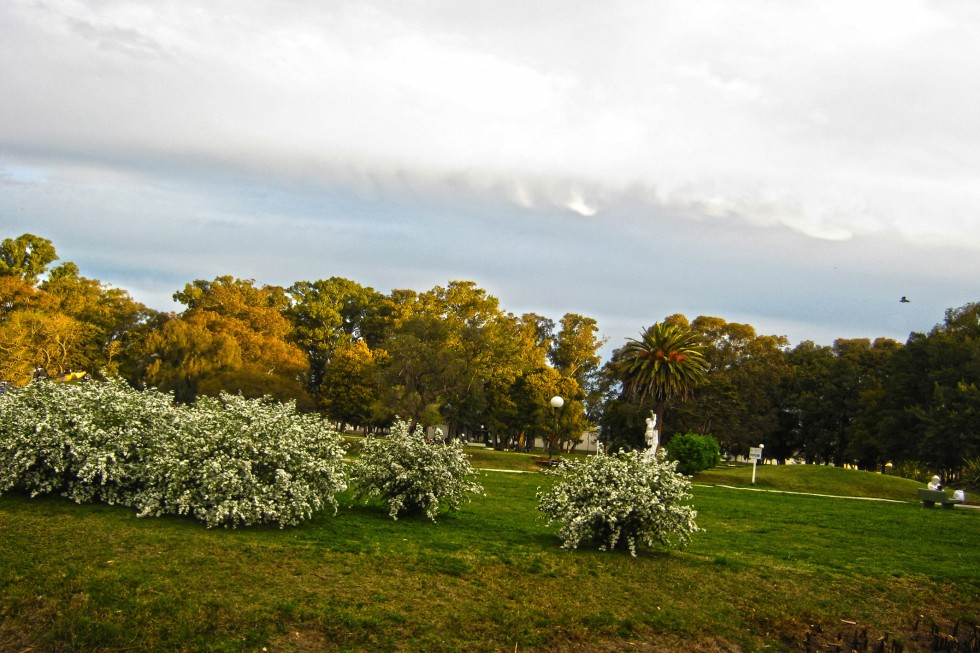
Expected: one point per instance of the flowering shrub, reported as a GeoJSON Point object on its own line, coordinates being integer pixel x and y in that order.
{"type": "Point", "coordinates": [619, 499]}
{"type": "Point", "coordinates": [87, 441]}
{"type": "Point", "coordinates": [32, 452]}
{"type": "Point", "coordinates": [229, 462]}
{"type": "Point", "coordinates": [413, 474]}
{"type": "Point", "coordinates": [239, 462]}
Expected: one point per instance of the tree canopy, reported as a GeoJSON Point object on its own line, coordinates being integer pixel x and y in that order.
{"type": "Point", "coordinates": [233, 337]}
{"type": "Point", "coordinates": [57, 321]}
{"type": "Point", "coordinates": [452, 355]}
{"type": "Point", "coordinates": [665, 364]}
{"type": "Point", "coordinates": [27, 257]}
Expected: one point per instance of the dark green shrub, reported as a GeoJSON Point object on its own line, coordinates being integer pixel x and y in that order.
{"type": "Point", "coordinates": [916, 470]}
{"type": "Point", "coordinates": [971, 474]}
{"type": "Point", "coordinates": [693, 452]}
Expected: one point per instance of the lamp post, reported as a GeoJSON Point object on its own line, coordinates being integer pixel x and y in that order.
{"type": "Point", "coordinates": [556, 403]}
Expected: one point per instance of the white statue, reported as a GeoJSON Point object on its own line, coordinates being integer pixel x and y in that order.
{"type": "Point", "coordinates": [652, 436]}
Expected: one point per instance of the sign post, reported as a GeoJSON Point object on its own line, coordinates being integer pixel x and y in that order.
{"type": "Point", "coordinates": [755, 453]}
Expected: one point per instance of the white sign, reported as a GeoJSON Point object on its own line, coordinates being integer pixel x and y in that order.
{"type": "Point", "coordinates": [755, 453]}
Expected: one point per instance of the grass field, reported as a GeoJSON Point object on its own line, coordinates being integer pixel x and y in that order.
{"type": "Point", "coordinates": [768, 568]}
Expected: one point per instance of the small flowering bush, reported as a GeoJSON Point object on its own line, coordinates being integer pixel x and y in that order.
{"type": "Point", "coordinates": [619, 500]}
{"type": "Point", "coordinates": [229, 461]}
{"type": "Point", "coordinates": [412, 474]}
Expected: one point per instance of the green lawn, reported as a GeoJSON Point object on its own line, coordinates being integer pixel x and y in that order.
{"type": "Point", "coordinates": [818, 479]}
{"type": "Point", "coordinates": [492, 577]}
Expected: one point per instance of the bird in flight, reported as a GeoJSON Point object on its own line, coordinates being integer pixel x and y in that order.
{"type": "Point", "coordinates": [904, 300]}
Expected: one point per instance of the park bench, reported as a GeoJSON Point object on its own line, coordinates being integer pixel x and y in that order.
{"type": "Point", "coordinates": [930, 498]}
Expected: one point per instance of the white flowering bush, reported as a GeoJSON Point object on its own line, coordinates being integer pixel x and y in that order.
{"type": "Point", "coordinates": [33, 453]}
{"type": "Point", "coordinates": [239, 462]}
{"type": "Point", "coordinates": [620, 499]}
{"type": "Point", "coordinates": [229, 461]}
{"type": "Point", "coordinates": [413, 474]}
{"type": "Point", "coordinates": [88, 441]}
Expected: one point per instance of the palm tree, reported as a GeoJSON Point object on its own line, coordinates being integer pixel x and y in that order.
{"type": "Point", "coordinates": [666, 363]}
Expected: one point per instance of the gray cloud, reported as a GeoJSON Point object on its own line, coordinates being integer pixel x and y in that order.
{"type": "Point", "coordinates": [627, 269]}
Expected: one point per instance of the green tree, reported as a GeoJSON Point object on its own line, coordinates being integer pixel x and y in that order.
{"type": "Point", "coordinates": [930, 401]}
{"type": "Point", "coordinates": [352, 377]}
{"type": "Point", "coordinates": [863, 366]}
{"type": "Point", "coordinates": [329, 314]}
{"type": "Point", "coordinates": [446, 348]}
{"type": "Point", "coordinates": [828, 400]}
{"type": "Point", "coordinates": [666, 364]}
{"type": "Point", "coordinates": [622, 422]}
{"type": "Point", "coordinates": [27, 256]}
{"type": "Point", "coordinates": [740, 399]}
{"type": "Point", "coordinates": [809, 424]}
{"type": "Point", "coordinates": [420, 371]}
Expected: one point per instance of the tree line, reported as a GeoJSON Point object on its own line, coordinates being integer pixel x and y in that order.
{"type": "Point", "coordinates": [453, 355]}
{"type": "Point", "coordinates": [450, 355]}
{"type": "Point", "coordinates": [868, 403]}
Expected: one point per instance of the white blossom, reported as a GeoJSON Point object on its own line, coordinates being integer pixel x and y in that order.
{"type": "Point", "coordinates": [619, 499]}
{"type": "Point", "coordinates": [413, 474]}
{"type": "Point", "coordinates": [228, 461]}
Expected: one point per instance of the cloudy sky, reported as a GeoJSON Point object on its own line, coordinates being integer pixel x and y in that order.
{"type": "Point", "coordinates": [798, 166]}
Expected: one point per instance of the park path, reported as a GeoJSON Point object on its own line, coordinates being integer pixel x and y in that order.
{"type": "Point", "coordinates": [756, 489]}
{"type": "Point", "coordinates": [829, 496]}
{"type": "Point", "coordinates": [805, 494]}
{"type": "Point", "coordinates": [507, 471]}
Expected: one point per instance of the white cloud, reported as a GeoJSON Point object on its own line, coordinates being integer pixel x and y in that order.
{"type": "Point", "coordinates": [578, 204]}
{"type": "Point", "coordinates": [856, 116]}
{"type": "Point", "coordinates": [840, 121]}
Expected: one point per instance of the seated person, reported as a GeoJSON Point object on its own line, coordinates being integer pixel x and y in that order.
{"type": "Point", "coordinates": [935, 484]}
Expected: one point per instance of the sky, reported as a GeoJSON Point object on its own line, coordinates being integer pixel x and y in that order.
{"type": "Point", "coordinates": [798, 166]}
